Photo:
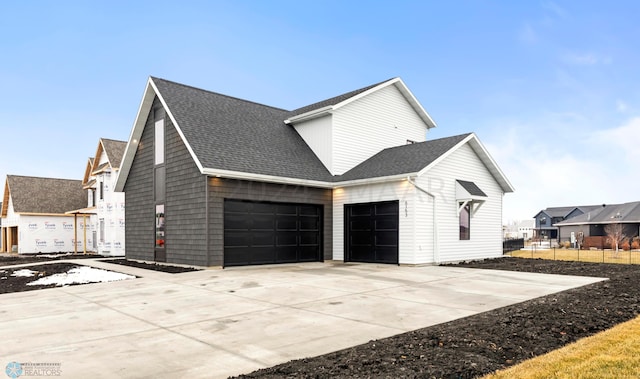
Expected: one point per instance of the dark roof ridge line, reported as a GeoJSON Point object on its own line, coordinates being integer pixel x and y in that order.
{"type": "Point", "coordinates": [220, 94]}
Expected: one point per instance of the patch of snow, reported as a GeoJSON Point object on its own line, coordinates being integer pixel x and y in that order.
{"type": "Point", "coordinates": [81, 275]}
{"type": "Point", "coordinates": [24, 273]}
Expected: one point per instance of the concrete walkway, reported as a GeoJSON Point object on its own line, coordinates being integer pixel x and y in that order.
{"type": "Point", "coordinates": [215, 323]}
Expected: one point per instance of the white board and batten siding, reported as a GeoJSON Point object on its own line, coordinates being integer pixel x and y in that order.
{"type": "Point", "coordinates": [402, 191]}
{"type": "Point", "coordinates": [486, 224]}
{"type": "Point", "coordinates": [372, 123]}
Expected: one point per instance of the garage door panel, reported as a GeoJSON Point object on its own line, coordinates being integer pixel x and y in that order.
{"type": "Point", "coordinates": [386, 238]}
{"type": "Point", "coordinates": [361, 225]}
{"type": "Point", "coordinates": [287, 254]}
{"type": "Point", "coordinates": [262, 208]}
{"type": "Point", "coordinates": [262, 233]}
{"type": "Point", "coordinates": [309, 238]}
{"type": "Point", "coordinates": [308, 254]}
{"type": "Point", "coordinates": [263, 238]}
{"type": "Point", "coordinates": [287, 223]}
{"type": "Point", "coordinates": [388, 208]}
{"type": "Point", "coordinates": [237, 221]}
{"type": "Point", "coordinates": [263, 221]}
{"type": "Point", "coordinates": [287, 209]}
{"type": "Point", "coordinates": [372, 232]}
{"type": "Point", "coordinates": [386, 255]}
{"type": "Point", "coordinates": [309, 210]}
{"type": "Point", "coordinates": [386, 224]}
{"type": "Point", "coordinates": [309, 223]}
{"type": "Point", "coordinates": [360, 210]}
{"type": "Point", "coordinates": [236, 238]}
{"type": "Point", "coordinates": [287, 238]}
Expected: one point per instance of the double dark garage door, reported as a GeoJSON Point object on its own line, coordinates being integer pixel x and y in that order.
{"type": "Point", "coordinates": [264, 233]}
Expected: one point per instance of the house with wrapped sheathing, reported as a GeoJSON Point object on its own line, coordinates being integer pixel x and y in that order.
{"type": "Point", "coordinates": [214, 180]}
{"type": "Point", "coordinates": [34, 218]}
{"type": "Point", "coordinates": [104, 207]}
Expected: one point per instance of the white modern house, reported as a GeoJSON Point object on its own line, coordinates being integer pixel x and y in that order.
{"type": "Point", "coordinates": [214, 180]}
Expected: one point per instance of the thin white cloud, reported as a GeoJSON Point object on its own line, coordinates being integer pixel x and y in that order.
{"type": "Point", "coordinates": [527, 34]}
{"type": "Point", "coordinates": [585, 59]}
{"type": "Point", "coordinates": [554, 8]}
{"type": "Point", "coordinates": [621, 106]}
{"type": "Point", "coordinates": [619, 142]}
{"type": "Point", "coordinates": [555, 166]}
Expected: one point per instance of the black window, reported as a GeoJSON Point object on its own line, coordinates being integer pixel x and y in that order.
{"type": "Point", "coordinates": [101, 190]}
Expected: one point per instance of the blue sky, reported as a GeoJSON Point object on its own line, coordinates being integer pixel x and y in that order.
{"type": "Point", "coordinates": [551, 88]}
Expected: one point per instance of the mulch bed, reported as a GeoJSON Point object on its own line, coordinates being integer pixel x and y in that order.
{"type": "Point", "coordinates": [152, 266]}
{"type": "Point", "coordinates": [7, 260]}
{"type": "Point", "coordinates": [480, 344]}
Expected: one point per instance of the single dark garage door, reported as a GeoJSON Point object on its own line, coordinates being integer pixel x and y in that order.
{"type": "Point", "coordinates": [262, 233]}
{"type": "Point", "coordinates": [371, 231]}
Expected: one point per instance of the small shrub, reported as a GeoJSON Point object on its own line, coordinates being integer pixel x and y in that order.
{"type": "Point", "coordinates": [635, 245]}
{"type": "Point", "coordinates": [625, 246]}
{"type": "Point", "coordinates": [565, 244]}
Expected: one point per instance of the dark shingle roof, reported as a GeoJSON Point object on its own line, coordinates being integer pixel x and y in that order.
{"type": "Point", "coordinates": [610, 213]}
{"type": "Point", "coordinates": [114, 150]}
{"type": "Point", "coordinates": [45, 195]}
{"type": "Point", "coordinates": [472, 188]}
{"type": "Point", "coordinates": [403, 159]}
{"type": "Point", "coordinates": [238, 135]}
{"type": "Point", "coordinates": [333, 100]}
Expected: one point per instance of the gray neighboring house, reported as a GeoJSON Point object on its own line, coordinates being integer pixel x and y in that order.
{"type": "Point", "coordinates": [546, 219]}
{"type": "Point", "coordinates": [593, 223]}
{"type": "Point", "coordinates": [213, 180]}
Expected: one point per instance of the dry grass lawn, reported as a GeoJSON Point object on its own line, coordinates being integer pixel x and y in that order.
{"type": "Point", "coordinates": [597, 256]}
{"type": "Point", "coordinates": [614, 353]}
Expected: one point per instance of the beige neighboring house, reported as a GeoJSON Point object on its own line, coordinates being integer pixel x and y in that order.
{"type": "Point", "coordinates": [34, 218]}
{"type": "Point", "coordinates": [104, 206]}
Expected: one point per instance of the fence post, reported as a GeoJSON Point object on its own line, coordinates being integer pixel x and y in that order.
{"type": "Point", "coordinates": [554, 253]}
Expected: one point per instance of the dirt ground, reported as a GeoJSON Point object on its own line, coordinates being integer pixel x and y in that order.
{"type": "Point", "coordinates": [480, 344]}
{"type": "Point", "coordinates": [464, 348]}
{"type": "Point", "coordinates": [10, 283]}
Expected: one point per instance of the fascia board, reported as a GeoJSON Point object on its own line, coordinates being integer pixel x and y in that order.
{"type": "Point", "coordinates": [138, 127]}
{"type": "Point", "coordinates": [491, 164]}
{"type": "Point", "coordinates": [445, 155]}
{"type": "Point", "coordinates": [415, 104]}
{"type": "Point", "coordinates": [382, 179]}
{"type": "Point", "coordinates": [264, 178]}
{"type": "Point", "coordinates": [177, 126]}
{"type": "Point", "coordinates": [309, 115]}
{"type": "Point", "coordinates": [134, 136]}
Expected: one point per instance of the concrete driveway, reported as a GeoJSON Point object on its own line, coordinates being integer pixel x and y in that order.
{"type": "Point", "coordinates": [216, 323]}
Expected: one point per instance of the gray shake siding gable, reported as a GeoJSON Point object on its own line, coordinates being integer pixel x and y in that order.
{"type": "Point", "coordinates": [191, 237]}
{"type": "Point", "coordinates": [140, 209]}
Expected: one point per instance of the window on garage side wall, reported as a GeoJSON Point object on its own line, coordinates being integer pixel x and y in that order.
{"type": "Point", "coordinates": [465, 223]}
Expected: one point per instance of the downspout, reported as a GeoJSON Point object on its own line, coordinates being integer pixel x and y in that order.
{"type": "Point", "coordinates": [436, 253]}
{"type": "Point", "coordinates": [206, 219]}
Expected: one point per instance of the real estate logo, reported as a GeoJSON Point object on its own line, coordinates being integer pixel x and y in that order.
{"type": "Point", "coordinates": [16, 369]}
{"type": "Point", "coordinates": [13, 369]}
